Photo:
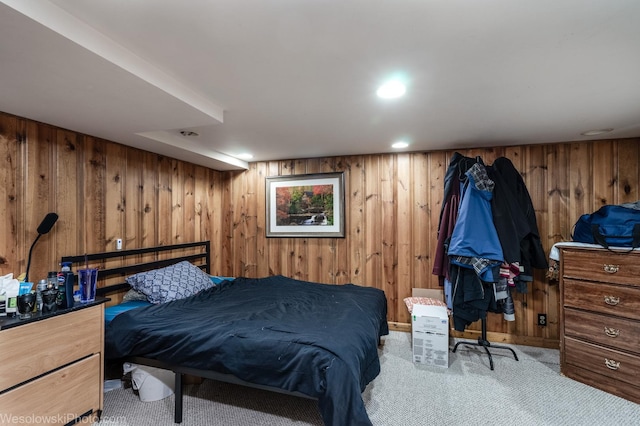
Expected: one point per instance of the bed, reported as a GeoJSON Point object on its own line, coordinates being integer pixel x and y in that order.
{"type": "Point", "coordinates": [307, 339]}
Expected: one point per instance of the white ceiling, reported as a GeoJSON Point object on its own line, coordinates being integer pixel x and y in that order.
{"type": "Point", "coordinates": [288, 79]}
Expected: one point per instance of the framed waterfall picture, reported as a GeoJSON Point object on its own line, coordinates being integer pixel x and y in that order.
{"type": "Point", "coordinates": [305, 206]}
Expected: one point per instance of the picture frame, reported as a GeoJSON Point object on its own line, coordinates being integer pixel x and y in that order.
{"type": "Point", "coordinates": [306, 206]}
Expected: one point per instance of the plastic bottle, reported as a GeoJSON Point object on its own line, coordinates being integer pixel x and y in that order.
{"type": "Point", "coordinates": [52, 279]}
{"type": "Point", "coordinates": [42, 285]}
{"type": "Point", "coordinates": [64, 281]}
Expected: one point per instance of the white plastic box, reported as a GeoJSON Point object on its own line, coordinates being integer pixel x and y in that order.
{"type": "Point", "coordinates": [430, 335]}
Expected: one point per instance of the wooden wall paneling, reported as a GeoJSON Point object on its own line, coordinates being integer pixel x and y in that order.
{"type": "Point", "coordinates": [69, 184]}
{"type": "Point", "coordinates": [427, 207]}
{"type": "Point", "coordinates": [604, 174]}
{"type": "Point", "coordinates": [628, 160]}
{"type": "Point", "coordinates": [94, 195]}
{"type": "Point", "coordinates": [238, 224]}
{"type": "Point", "coordinates": [206, 197]}
{"type": "Point", "coordinates": [39, 178]}
{"type": "Point", "coordinates": [340, 248]}
{"type": "Point", "coordinates": [11, 194]}
{"type": "Point", "coordinates": [22, 169]}
{"type": "Point", "coordinates": [177, 202]}
{"type": "Point", "coordinates": [114, 221]}
{"type": "Point", "coordinates": [252, 207]}
{"type": "Point", "coordinates": [406, 188]}
{"type": "Point", "coordinates": [164, 204]}
{"type": "Point", "coordinates": [53, 169]}
{"type": "Point", "coordinates": [215, 219]}
{"type": "Point", "coordinates": [336, 252]}
{"type": "Point", "coordinates": [580, 180]}
{"type": "Point", "coordinates": [224, 247]}
{"type": "Point", "coordinates": [149, 202]}
{"type": "Point", "coordinates": [262, 252]}
{"type": "Point", "coordinates": [557, 192]}
{"type": "Point", "coordinates": [115, 169]}
{"type": "Point", "coordinates": [355, 218]}
{"type": "Point", "coordinates": [373, 220]}
{"type": "Point", "coordinates": [133, 198]}
{"type": "Point", "coordinates": [388, 177]}
{"type": "Point", "coordinates": [190, 229]}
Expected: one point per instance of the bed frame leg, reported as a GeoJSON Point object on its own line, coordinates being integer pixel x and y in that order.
{"type": "Point", "coordinates": [177, 418]}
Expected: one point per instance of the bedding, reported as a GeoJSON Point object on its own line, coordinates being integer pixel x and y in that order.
{"type": "Point", "coordinates": [172, 282]}
{"type": "Point", "coordinates": [316, 339]}
{"type": "Point", "coordinates": [112, 311]}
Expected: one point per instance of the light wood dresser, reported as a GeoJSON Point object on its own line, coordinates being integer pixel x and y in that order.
{"type": "Point", "coordinates": [600, 319]}
{"type": "Point", "coordinates": [51, 366]}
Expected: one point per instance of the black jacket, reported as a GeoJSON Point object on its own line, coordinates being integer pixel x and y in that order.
{"type": "Point", "coordinates": [514, 218]}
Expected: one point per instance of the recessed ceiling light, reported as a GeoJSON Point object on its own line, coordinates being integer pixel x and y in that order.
{"type": "Point", "coordinates": [399, 145]}
{"type": "Point", "coordinates": [245, 156]}
{"type": "Point", "coordinates": [596, 132]}
{"type": "Point", "coordinates": [188, 133]}
{"type": "Point", "coordinates": [391, 89]}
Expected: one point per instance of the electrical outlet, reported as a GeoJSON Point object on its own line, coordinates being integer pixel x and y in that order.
{"type": "Point", "coordinates": [542, 320]}
{"type": "Point", "coordinates": [119, 244]}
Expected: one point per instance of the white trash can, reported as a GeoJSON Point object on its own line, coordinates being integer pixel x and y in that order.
{"type": "Point", "coordinates": [151, 383]}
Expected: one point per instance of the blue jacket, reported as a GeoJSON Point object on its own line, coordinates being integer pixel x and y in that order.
{"type": "Point", "coordinates": [474, 235]}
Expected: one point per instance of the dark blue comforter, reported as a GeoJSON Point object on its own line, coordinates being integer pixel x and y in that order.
{"type": "Point", "coordinates": [317, 339]}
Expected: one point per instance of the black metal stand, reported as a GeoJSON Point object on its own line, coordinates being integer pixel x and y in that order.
{"type": "Point", "coordinates": [483, 342]}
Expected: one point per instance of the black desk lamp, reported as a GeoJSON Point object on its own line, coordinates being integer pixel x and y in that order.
{"type": "Point", "coordinates": [44, 228]}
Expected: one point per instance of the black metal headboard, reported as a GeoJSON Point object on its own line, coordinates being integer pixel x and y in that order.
{"type": "Point", "coordinates": [114, 266]}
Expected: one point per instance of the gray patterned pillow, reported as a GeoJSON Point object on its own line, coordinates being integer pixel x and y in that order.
{"type": "Point", "coordinates": [170, 283]}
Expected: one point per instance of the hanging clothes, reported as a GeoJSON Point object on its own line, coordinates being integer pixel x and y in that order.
{"type": "Point", "coordinates": [456, 170]}
{"type": "Point", "coordinates": [474, 251]}
{"type": "Point", "coordinates": [515, 219]}
{"type": "Point", "coordinates": [474, 242]}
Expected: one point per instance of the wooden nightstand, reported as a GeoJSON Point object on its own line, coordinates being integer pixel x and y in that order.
{"type": "Point", "coordinates": [52, 366]}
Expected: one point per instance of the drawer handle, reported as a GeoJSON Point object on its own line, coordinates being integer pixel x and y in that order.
{"type": "Point", "coordinates": [611, 332]}
{"type": "Point", "coordinates": [611, 300]}
{"type": "Point", "coordinates": [611, 364]}
{"type": "Point", "coordinates": [611, 269]}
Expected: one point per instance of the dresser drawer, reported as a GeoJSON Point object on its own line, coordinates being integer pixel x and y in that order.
{"type": "Point", "coordinates": [58, 397]}
{"type": "Point", "coordinates": [601, 265]}
{"type": "Point", "coordinates": [604, 383]}
{"type": "Point", "coordinates": [40, 346]}
{"type": "Point", "coordinates": [618, 333]}
{"type": "Point", "coordinates": [611, 299]}
{"type": "Point", "coordinates": [607, 362]}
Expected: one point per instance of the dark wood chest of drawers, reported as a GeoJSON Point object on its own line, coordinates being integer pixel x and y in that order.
{"type": "Point", "coordinates": [600, 319]}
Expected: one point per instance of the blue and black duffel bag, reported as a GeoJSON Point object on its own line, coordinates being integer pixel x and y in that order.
{"type": "Point", "coordinates": [610, 226]}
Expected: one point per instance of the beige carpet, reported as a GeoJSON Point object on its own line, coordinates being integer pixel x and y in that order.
{"type": "Point", "coordinates": [526, 392]}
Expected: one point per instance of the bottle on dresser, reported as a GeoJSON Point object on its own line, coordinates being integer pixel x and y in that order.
{"type": "Point", "coordinates": [42, 286]}
{"type": "Point", "coordinates": [66, 281]}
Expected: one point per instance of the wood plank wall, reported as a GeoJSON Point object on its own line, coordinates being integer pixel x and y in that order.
{"type": "Point", "coordinates": [393, 203]}
{"type": "Point", "coordinates": [103, 190]}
